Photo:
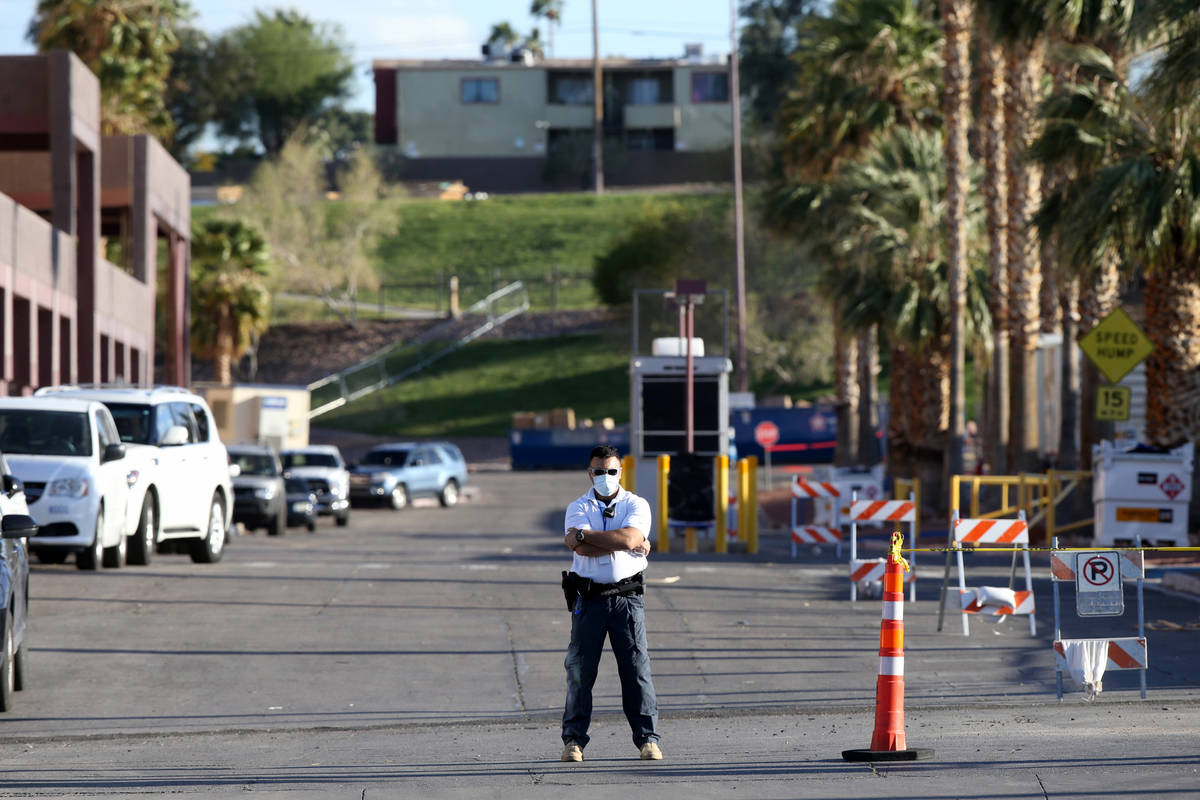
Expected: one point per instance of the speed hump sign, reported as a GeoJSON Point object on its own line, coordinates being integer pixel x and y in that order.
{"type": "Point", "coordinates": [1098, 590]}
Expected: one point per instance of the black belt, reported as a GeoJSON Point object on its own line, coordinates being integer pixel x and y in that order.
{"type": "Point", "coordinates": [577, 586]}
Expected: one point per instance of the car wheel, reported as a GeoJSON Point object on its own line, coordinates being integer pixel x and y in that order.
{"type": "Point", "coordinates": [279, 527]}
{"type": "Point", "coordinates": [141, 545]}
{"type": "Point", "coordinates": [210, 549]}
{"type": "Point", "coordinates": [399, 496]}
{"type": "Point", "coordinates": [449, 494]}
{"type": "Point", "coordinates": [7, 677]}
{"type": "Point", "coordinates": [51, 556]}
{"type": "Point", "coordinates": [94, 555]}
{"type": "Point", "coordinates": [342, 520]}
{"type": "Point", "coordinates": [21, 668]}
{"type": "Point", "coordinates": [114, 557]}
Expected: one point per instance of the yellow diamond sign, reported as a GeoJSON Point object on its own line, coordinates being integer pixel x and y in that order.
{"type": "Point", "coordinates": [1116, 345]}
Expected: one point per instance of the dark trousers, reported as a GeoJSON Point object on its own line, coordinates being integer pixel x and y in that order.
{"type": "Point", "coordinates": [623, 621]}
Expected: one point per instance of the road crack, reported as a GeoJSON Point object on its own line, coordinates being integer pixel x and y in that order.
{"type": "Point", "coordinates": [516, 662]}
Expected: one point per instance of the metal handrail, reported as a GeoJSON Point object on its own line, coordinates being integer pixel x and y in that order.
{"type": "Point", "coordinates": [395, 363]}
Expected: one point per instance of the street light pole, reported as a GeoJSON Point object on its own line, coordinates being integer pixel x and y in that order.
{"type": "Point", "coordinates": [598, 109]}
{"type": "Point", "coordinates": [739, 222]}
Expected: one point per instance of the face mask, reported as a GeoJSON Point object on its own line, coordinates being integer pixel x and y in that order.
{"type": "Point", "coordinates": [606, 484]}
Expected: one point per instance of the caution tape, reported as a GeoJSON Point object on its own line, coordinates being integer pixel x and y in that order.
{"type": "Point", "coordinates": [1045, 549]}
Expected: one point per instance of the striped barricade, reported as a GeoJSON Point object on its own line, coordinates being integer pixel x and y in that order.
{"type": "Point", "coordinates": [988, 600]}
{"type": "Point", "coordinates": [1123, 653]}
{"type": "Point", "coordinates": [815, 534]}
{"type": "Point", "coordinates": [873, 569]}
{"type": "Point", "coordinates": [878, 512]}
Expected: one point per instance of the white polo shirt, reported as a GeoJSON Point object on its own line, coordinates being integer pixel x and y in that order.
{"type": "Point", "coordinates": [587, 513]}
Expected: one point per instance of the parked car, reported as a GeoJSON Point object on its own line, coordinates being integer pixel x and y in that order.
{"type": "Point", "coordinates": [259, 495]}
{"type": "Point", "coordinates": [325, 471]}
{"type": "Point", "coordinates": [76, 476]}
{"type": "Point", "coordinates": [396, 473]}
{"type": "Point", "coordinates": [188, 494]}
{"type": "Point", "coordinates": [301, 503]}
{"type": "Point", "coordinates": [16, 526]}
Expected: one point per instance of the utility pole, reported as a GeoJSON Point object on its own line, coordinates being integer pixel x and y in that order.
{"type": "Point", "coordinates": [598, 109]}
{"type": "Point", "coordinates": [739, 222]}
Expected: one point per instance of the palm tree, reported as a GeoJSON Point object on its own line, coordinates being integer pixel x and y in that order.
{"type": "Point", "coordinates": [956, 110]}
{"type": "Point", "coordinates": [895, 204]}
{"type": "Point", "coordinates": [533, 43]}
{"type": "Point", "coordinates": [1137, 195]}
{"type": "Point", "coordinates": [503, 33]}
{"type": "Point", "coordinates": [551, 11]}
{"type": "Point", "coordinates": [230, 301]}
{"type": "Point", "coordinates": [869, 66]}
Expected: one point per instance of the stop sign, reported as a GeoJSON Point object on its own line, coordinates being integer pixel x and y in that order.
{"type": "Point", "coordinates": [766, 433]}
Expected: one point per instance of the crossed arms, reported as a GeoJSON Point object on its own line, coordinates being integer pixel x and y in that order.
{"type": "Point", "coordinates": [600, 543]}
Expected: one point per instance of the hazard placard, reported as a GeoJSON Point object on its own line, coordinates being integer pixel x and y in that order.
{"type": "Point", "coordinates": [1116, 345]}
{"type": "Point", "coordinates": [1098, 590]}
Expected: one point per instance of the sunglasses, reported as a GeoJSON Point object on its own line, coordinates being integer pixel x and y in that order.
{"type": "Point", "coordinates": [601, 471]}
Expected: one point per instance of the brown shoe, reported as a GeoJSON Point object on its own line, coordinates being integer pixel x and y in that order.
{"type": "Point", "coordinates": [651, 752]}
{"type": "Point", "coordinates": [573, 752]}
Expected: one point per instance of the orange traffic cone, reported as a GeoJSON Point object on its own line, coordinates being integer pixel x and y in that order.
{"type": "Point", "coordinates": [888, 741]}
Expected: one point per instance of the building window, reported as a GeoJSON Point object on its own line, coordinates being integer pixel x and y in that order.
{"type": "Point", "coordinates": [710, 87]}
{"type": "Point", "coordinates": [650, 139]}
{"type": "Point", "coordinates": [570, 89]}
{"type": "Point", "coordinates": [480, 90]}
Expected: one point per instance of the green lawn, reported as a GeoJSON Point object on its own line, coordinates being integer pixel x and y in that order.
{"type": "Point", "coordinates": [475, 391]}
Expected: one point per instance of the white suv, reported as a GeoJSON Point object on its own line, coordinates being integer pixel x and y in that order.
{"type": "Point", "coordinates": [79, 482]}
{"type": "Point", "coordinates": [189, 496]}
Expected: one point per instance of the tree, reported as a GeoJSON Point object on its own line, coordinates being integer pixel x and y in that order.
{"type": "Point", "coordinates": [128, 44]}
{"type": "Point", "coordinates": [298, 69]}
{"type": "Point", "coordinates": [503, 34]}
{"type": "Point", "coordinates": [533, 43]}
{"type": "Point", "coordinates": [230, 301]}
{"type": "Point", "coordinates": [768, 40]}
{"type": "Point", "coordinates": [321, 243]}
{"type": "Point", "coordinates": [551, 11]}
{"type": "Point", "coordinates": [206, 78]}
{"type": "Point", "coordinates": [1137, 194]}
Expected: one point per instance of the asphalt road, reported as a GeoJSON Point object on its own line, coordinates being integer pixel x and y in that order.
{"type": "Point", "coordinates": [419, 654]}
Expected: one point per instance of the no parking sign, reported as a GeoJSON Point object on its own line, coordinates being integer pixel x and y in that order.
{"type": "Point", "coordinates": [1098, 590]}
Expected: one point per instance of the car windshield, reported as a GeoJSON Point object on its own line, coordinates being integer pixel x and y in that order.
{"type": "Point", "coordinates": [386, 458]}
{"type": "Point", "coordinates": [254, 463]}
{"type": "Point", "coordinates": [309, 460]}
{"type": "Point", "coordinates": [44, 433]}
{"type": "Point", "coordinates": [133, 422]}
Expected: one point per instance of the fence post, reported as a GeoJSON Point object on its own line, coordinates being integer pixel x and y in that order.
{"type": "Point", "coordinates": [720, 543]}
{"type": "Point", "coordinates": [664, 532]}
{"type": "Point", "coordinates": [752, 506]}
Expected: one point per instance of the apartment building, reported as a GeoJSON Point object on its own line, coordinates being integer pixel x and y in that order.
{"type": "Point", "coordinates": [517, 123]}
{"type": "Point", "coordinates": [71, 199]}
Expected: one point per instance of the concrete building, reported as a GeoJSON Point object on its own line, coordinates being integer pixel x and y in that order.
{"type": "Point", "coordinates": [69, 197]}
{"type": "Point", "coordinates": [516, 123]}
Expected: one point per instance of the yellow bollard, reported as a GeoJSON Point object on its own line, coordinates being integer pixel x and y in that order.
{"type": "Point", "coordinates": [721, 543]}
{"type": "Point", "coordinates": [752, 505]}
{"type": "Point", "coordinates": [742, 495]}
{"type": "Point", "coordinates": [689, 539]}
{"type": "Point", "coordinates": [664, 532]}
{"type": "Point", "coordinates": [628, 473]}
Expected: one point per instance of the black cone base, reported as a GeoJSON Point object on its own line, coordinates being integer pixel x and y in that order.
{"type": "Point", "coordinates": [913, 754]}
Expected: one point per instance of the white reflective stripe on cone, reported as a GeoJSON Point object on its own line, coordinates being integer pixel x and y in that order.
{"type": "Point", "coordinates": [893, 610]}
{"type": "Point", "coordinates": [891, 665]}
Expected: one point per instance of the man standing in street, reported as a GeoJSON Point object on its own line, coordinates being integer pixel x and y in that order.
{"type": "Point", "coordinates": [607, 529]}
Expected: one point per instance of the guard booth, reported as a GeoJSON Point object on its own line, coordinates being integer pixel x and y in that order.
{"type": "Point", "coordinates": [658, 405]}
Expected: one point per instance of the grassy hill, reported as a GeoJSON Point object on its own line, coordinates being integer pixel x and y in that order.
{"type": "Point", "coordinates": [475, 391]}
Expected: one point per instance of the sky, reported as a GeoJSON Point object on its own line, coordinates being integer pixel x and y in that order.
{"type": "Point", "coordinates": [432, 29]}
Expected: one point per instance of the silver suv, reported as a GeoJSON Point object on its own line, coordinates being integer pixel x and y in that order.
{"type": "Point", "coordinates": [322, 468]}
{"type": "Point", "coordinates": [189, 495]}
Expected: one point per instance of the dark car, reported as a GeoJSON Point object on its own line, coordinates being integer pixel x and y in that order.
{"type": "Point", "coordinates": [259, 496]}
{"type": "Point", "coordinates": [301, 503]}
{"type": "Point", "coordinates": [15, 528]}
{"type": "Point", "coordinates": [396, 473]}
